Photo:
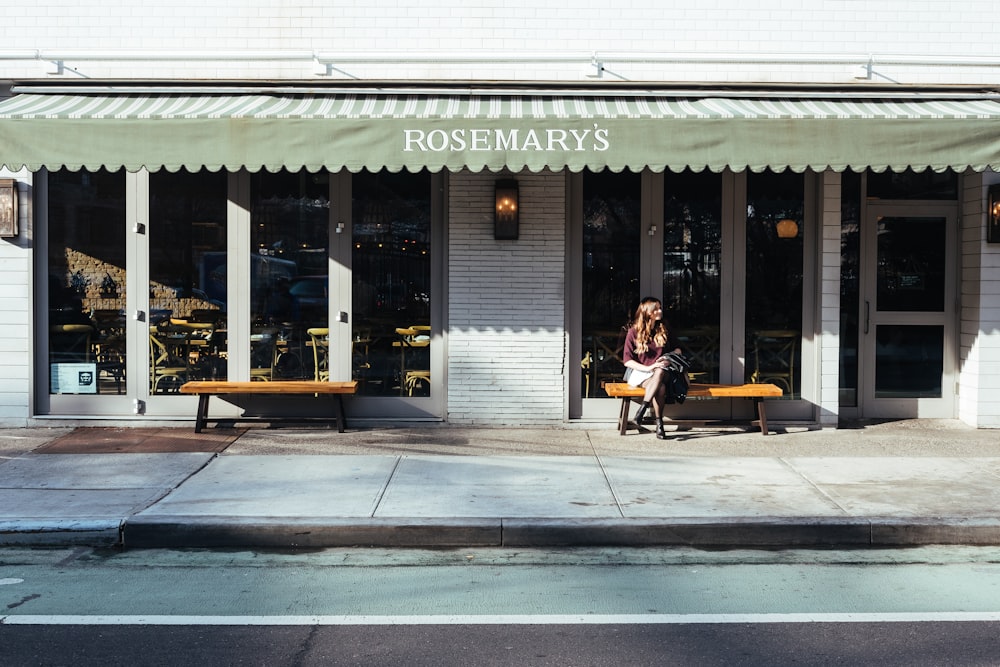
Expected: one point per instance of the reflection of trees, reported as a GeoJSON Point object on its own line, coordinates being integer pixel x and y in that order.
{"type": "Point", "coordinates": [187, 219]}
{"type": "Point", "coordinates": [611, 217]}
{"type": "Point", "coordinates": [691, 259]}
{"type": "Point", "coordinates": [774, 265]}
{"type": "Point", "coordinates": [392, 262]}
{"type": "Point", "coordinates": [850, 268]}
{"type": "Point", "coordinates": [910, 271]}
{"type": "Point", "coordinates": [86, 218]}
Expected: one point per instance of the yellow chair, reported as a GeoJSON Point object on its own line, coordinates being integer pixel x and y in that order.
{"type": "Point", "coordinates": [774, 358]}
{"type": "Point", "coordinates": [413, 338]}
{"type": "Point", "coordinates": [585, 364]}
{"type": "Point", "coordinates": [263, 355]}
{"type": "Point", "coordinates": [415, 378]}
{"type": "Point", "coordinates": [164, 365]}
{"type": "Point", "coordinates": [320, 340]}
{"type": "Point", "coordinates": [110, 355]}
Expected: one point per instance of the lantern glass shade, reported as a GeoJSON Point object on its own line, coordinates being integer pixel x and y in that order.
{"type": "Point", "coordinates": [505, 220]}
{"type": "Point", "coordinates": [993, 215]}
{"type": "Point", "coordinates": [787, 229]}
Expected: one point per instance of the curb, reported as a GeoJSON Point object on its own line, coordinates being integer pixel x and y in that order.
{"type": "Point", "coordinates": [61, 532]}
{"type": "Point", "coordinates": [738, 532]}
{"type": "Point", "coordinates": [294, 532]}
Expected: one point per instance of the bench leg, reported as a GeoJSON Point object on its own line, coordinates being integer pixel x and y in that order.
{"type": "Point", "coordinates": [202, 416]}
{"type": "Point", "coordinates": [761, 415]}
{"type": "Point", "coordinates": [340, 414]}
{"type": "Point", "coordinates": [623, 416]}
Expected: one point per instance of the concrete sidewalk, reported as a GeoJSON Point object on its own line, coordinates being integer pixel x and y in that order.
{"type": "Point", "coordinates": [894, 484]}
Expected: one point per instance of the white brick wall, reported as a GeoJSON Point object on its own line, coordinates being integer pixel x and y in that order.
{"type": "Point", "coordinates": [829, 350]}
{"type": "Point", "coordinates": [506, 333]}
{"type": "Point", "coordinates": [848, 29]}
{"type": "Point", "coordinates": [979, 353]}
{"type": "Point", "coordinates": [15, 318]}
{"type": "Point", "coordinates": [506, 298]}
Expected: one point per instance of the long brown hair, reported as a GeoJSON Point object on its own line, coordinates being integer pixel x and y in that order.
{"type": "Point", "coordinates": [646, 327]}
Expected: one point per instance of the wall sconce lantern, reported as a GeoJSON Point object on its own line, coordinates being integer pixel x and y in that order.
{"type": "Point", "coordinates": [505, 213]}
{"type": "Point", "coordinates": [8, 208]}
{"type": "Point", "coordinates": [993, 215]}
{"type": "Point", "coordinates": [787, 228]}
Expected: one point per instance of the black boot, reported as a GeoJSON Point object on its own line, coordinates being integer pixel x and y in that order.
{"type": "Point", "coordinates": [639, 415]}
{"type": "Point", "coordinates": [660, 433]}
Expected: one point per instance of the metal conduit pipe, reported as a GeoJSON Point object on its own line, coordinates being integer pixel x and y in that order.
{"type": "Point", "coordinates": [488, 57]}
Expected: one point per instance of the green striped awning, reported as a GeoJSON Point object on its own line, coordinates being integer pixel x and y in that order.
{"type": "Point", "coordinates": [457, 131]}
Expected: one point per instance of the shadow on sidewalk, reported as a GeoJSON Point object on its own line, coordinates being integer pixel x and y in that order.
{"type": "Point", "coordinates": [99, 440]}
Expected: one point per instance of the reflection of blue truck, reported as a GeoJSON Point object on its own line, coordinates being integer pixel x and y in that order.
{"type": "Point", "coordinates": [265, 272]}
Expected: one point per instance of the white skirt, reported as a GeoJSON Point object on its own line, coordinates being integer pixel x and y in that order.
{"type": "Point", "coordinates": [636, 378]}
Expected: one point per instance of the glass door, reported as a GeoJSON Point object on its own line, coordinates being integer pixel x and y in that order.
{"type": "Point", "coordinates": [908, 311]}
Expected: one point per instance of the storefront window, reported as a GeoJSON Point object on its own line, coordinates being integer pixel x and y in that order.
{"type": "Point", "coordinates": [911, 264]}
{"type": "Point", "coordinates": [86, 265]}
{"type": "Point", "coordinates": [850, 296]}
{"type": "Point", "coordinates": [391, 331]}
{"type": "Point", "coordinates": [187, 278]}
{"type": "Point", "coordinates": [692, 266]}
{"type": "Point", "coordinates": [774, 279]}
{"type": "Point", "coordinates": [289, 276]}
{"type": "Point", "coordinates": [909, 361]}
{"type": "Point", "coordinates": [610, 285]}
{"type": "Point", "coordinates": [909, 184]}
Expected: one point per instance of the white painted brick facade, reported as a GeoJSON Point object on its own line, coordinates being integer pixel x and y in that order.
{"type": "Point", "coordinates": [817, 41]}
{"type": "Point", "coordinates": [979, 356]}
{"type": "Point", "coordinates": [15, 317]}
{"type": "Point", "coordinates": [829, 285]}
{"type": "Point", "coordinates": [506, 330]}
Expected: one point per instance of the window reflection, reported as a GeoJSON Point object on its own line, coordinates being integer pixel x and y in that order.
{"type": "Point", "coordinates": [610, 285]}
{"type": "Point", "coordinates": [850, 295]}
{"type": "Point", "coordinates": [909, 184]}
{"type": "Point", "coordinates": [289, 275]}
{"type": "Point", "coordinates": [692, 252]}
{"type": "Point", "coordinates": [911, 261]}
{"type": "Point", "coordinates": [909, 361]}
{"type": "Point", "coordinates": [187, 269]}
{"type": "Point", "coordinates": [86, 262]}
{"type": "Point", "coordinates": [774, 280]}
{"type": "Point", "coordinates": [391, 331]}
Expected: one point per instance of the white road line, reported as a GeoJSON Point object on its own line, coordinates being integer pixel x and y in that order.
{"type": "Point", "coordinates": [510, 619]}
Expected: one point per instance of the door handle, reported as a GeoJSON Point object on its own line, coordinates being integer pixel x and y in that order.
{"type": "Point", "coordinates": [867, 314]}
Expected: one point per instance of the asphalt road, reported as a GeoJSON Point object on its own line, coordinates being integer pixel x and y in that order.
{"type": "Point", "coordinates": [930, 606]}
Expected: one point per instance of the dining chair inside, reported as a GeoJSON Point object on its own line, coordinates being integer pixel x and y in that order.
{"type": "Point", "coordinates": [774, 358]}
{"type": "Point", "coordinates": [585, 364]}
{"type": "Point", "coordinates": [263, 355]}
{"type": "Point", "coordinates": [415, 379]}
{"type": "Point", "coordinates": [413, 343]}
{"type": "Point", "coordinates": [320, 339]}
{"type": "Point", "coordinates": [167, 371]}
{"type": "Point", "coordinates": [110, 356]}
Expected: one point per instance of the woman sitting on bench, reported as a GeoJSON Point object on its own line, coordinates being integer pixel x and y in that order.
{"type": "Point", "coordinates": [649, 345]}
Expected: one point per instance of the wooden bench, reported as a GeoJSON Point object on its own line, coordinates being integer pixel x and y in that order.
{"type": "Point", "coordinates": [207, 388]}
{"type": "Point", "coordinates": [758, 392]}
